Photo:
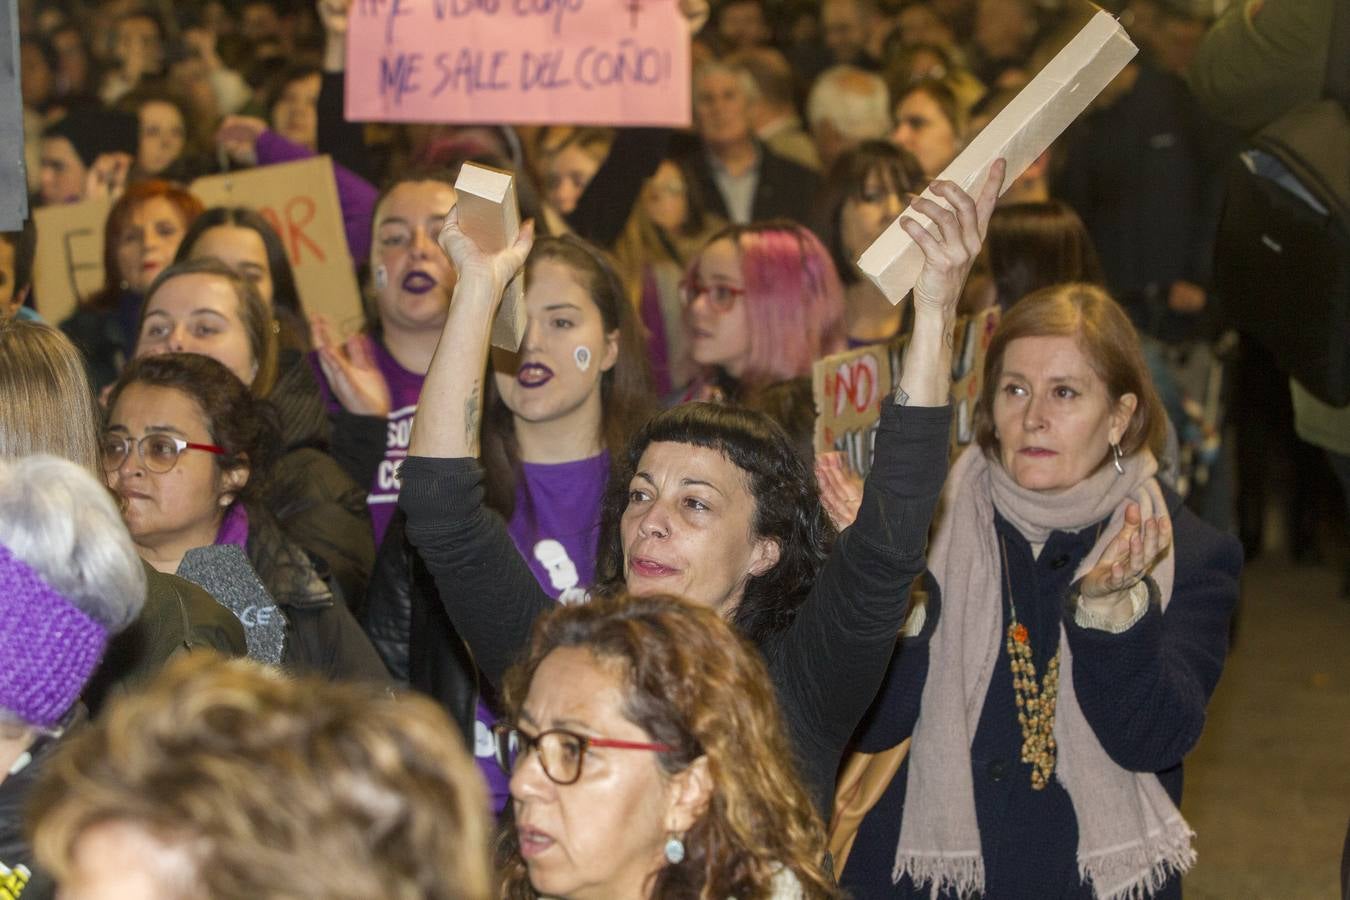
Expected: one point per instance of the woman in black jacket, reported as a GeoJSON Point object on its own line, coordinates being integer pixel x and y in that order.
{"type": "Point", "coordinates": [190, 454]}
{"type": "Point", "coordinates": [718, 508]}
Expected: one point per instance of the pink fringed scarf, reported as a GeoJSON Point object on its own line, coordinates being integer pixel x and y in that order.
{"type": "Point", "coordinates": [1131, 837]}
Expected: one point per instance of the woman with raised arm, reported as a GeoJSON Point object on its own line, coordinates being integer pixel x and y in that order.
{"type": "Point", "coordinates": [558, 415]}
{"type": "Point", "coordinates": [713, 505]}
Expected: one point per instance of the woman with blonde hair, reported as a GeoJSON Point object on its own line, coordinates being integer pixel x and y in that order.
{"type": "Point", "coordinates": [227, 779]}
{"type": "Point", "coordinates": [649, 759]}
{"type": "Point", "coordinates": [46, 405]}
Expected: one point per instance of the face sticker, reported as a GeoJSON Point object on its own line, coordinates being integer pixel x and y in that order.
{"type": "Point", "coordinates": [582, 356]}
{"type": "Point", "coordinates": [381, 278]}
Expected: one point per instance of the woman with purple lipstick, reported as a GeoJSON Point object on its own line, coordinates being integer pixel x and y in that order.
{"type": "Point", "coordinates": [377, 376]}
{"type": "Point", "coordinates": [555, 414]}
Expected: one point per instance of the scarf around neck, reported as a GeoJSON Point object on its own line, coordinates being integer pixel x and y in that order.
{"type": "Point", "coordinates": [1131, 836]}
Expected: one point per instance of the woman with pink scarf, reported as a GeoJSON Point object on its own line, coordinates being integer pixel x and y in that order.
{"type": "Point", "coordinates": [1076, 625]}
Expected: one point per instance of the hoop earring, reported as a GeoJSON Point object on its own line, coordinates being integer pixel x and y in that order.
{"type": "Point", "coordinates": [674, 851]}
{"type": "Point", "coordinates": [1116, 456]}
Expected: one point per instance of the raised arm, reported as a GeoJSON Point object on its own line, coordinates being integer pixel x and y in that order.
{"type": "Point", "coordinates": [447, 426]}
{"type": "Point", "coordinates": [833, 657]}
{"type": "Point", "coordinates": [487, 588]}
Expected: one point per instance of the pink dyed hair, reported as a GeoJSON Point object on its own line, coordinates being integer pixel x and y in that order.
{"type": "Point", "coordinates": [793, 295]}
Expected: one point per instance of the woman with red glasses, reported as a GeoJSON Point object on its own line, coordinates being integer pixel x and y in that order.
{"type": "Point", "coordinates": [648, 758]}
{"type": "Point", "coordinates": [188, 451]}
{"type": "Point", "coordinates": [762, 302]}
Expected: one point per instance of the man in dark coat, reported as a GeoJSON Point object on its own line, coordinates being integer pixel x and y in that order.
{"type": "Point", "coordinates": [740, 178]}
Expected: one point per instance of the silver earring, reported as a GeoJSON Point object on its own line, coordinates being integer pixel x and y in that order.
{"type": "Point", "coordinates": [1116, 456]}
{"type": "Point", "coordinates": [674, 851]}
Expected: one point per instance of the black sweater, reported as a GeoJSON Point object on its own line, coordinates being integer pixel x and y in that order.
{"type": "Point", "coordinates": [826, 665]}
{"type": "Point", "coordinates": [1143, 691]}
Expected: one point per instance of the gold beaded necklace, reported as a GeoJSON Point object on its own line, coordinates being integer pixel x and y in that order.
{"type": "Point", "coordinates": [1035, 702]}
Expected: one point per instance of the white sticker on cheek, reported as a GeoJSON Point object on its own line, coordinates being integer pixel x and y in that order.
{"type": "Point", "coordinates": [582, 355]}
{"type": "Point", "coordinates": [381, 277]}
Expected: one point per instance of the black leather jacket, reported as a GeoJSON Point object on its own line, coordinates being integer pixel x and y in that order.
{"type": "Point", "coordinates": [408, 625]}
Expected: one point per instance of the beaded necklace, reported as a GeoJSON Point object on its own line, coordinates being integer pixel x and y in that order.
{"type": "Point", "coordinates": [1035, 702]}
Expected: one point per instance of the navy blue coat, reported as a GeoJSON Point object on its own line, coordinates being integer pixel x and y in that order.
{"type": "Point", "coordinates": [1143, 692]}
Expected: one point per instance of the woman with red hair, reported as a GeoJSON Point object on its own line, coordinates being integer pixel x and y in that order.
{"type": "Point", "coordinates": [142, 234]}
{"type": "Point", "coordinates": [762, 302]}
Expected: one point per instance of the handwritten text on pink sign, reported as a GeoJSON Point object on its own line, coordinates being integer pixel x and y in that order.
{"type": "Point", "coordinates": [601, 62]}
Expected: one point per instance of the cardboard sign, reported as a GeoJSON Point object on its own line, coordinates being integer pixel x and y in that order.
{"type": "Point", "coordinates": [68, 261]}
{"type": "Point", "coordinates": [599, 62]}
{"type": "Point", "coordinates": [299, 200]}
{"type": "Point", "coordinates": [1019, 134]}
{"type": "Point", "coordinates": [489, 213]}
{"type": "Point", "coordinates": [849, 388]}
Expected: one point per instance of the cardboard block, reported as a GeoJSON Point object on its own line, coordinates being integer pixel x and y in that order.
{"type": "Point", "coordinates": [1021, 133]}
{"type": "Point", "coordinates": [489, 213]}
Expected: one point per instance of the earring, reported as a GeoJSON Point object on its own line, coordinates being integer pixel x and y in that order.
{"type": "Point", "coordinates": [674, 851]}
{"type": "Point", "coordinates": [1116, 456]}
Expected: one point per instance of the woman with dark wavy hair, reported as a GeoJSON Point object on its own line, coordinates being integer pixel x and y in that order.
{"type": "Point", "coordinates": [190, 452]}
{"type": "Point", "coordinates": [648, 758]}
{"type": "Point", "coordinates": [728, 517]}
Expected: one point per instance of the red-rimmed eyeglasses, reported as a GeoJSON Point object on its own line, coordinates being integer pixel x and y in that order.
{"type": "Point", "coordinates": [158, 452]}
{"type": "Point", "coordinates": [561, 752]}
{"type": "Point", "coordinates": [722, 297]}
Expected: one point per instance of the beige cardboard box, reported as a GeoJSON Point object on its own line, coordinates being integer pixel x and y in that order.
{"type": "Point", "coordinates": [489, 213]}
{"type": "Point", "coordinates": [1021, 133]}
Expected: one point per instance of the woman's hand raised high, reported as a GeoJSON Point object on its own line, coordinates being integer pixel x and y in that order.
{"type": "Point", "coordinates": [951, 250]}
{"type": "Point", "coordinates": [479, 272]}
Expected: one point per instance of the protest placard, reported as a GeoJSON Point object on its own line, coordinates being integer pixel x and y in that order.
{"type": "Point", "coordinates": [596, 62]}
{"type": "Point", "coordinates": [68, 261]}
{"type": "Point", "coordinates": [299, 200]}
{"type": "Point", "coordinates": [849, 388]}
{"type": "Point", "coordinates": [1019, 134]}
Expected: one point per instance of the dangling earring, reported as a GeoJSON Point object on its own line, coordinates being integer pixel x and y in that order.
{"type": "Point", "coordinates": [674, 851]}
{"type": "Point", "coordinates": [1116, 457]}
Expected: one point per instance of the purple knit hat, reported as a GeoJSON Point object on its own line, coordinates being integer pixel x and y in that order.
{"type": "Point", "coordinates": [48, 648]}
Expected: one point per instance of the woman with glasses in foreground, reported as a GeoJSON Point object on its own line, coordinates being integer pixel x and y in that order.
{"type": "Point", "coordinates": [189, 453]}
{"type": "Point", "coordinates": [648, 759]}
{"type": "Point", "coordinates": [762, 303]}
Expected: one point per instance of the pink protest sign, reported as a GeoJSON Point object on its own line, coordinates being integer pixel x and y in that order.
{"type": "Point", "coordinates": [596, 62]}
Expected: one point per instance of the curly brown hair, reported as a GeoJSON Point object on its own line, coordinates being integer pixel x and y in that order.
{"type": "Point", "coordinates": [696, 686]}
{"type": "Point", "coordinates": [276, 787]}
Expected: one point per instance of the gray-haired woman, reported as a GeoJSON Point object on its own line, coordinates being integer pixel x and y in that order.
{"type": "Point", "coordinates": [69, 578]}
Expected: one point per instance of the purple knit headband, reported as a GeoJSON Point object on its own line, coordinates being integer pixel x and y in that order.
{"type": "Point", "coordinates": [48, 648]}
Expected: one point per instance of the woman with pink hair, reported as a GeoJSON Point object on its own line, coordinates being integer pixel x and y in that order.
{"type": "Point", "coordinates": [762, 302]}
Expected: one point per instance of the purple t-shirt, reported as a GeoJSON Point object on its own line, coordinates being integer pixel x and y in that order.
{"type": "Point", "coordinates": [556, 527]}
{"type": "Point", "coordinates": [404, 389]}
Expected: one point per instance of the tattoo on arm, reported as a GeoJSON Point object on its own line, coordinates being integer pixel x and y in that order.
{"type": "Point", "coordinates": [472, 415]}
{"type": "Point", "coordinates": [949, 338]}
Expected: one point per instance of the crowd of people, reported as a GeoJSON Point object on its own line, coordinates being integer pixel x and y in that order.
{"type": "Point", "coordinates": [296, 612]}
